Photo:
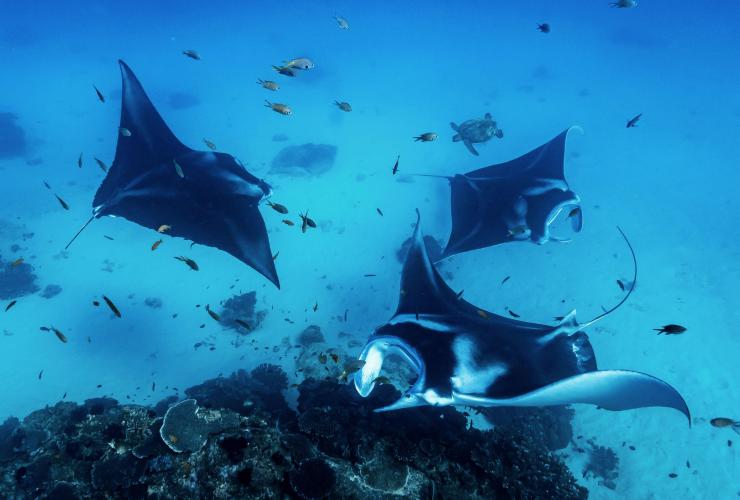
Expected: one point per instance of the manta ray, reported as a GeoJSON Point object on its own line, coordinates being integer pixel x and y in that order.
{"type": "Point", "coordinates": [513, 201]}
{"type": "Point", "coordinates": [204, 196]}
{"type": "Point", "coordinates": [464, 355]}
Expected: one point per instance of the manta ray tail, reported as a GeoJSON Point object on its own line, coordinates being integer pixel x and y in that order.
{"type": "Point", "coordinates": [80, 231]}
{"type": "Point", "coordinates": [629, 292]}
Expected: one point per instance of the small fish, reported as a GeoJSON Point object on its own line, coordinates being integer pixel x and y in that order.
{"type": "Point", "coordinates": [212, 313]}
{"type": "Point", "coordinates": [96, 303]}
{"type": "Point", "coordinates": [124, 131]}
{"type": "Point", "coordinates": [62, 202]}
{"type": "Point", "coordinates": [210, 144]}
{"type": "Point", "coordinates": [513, 314]}
{"type": "Point", "coordinates": [316, 306]}
{"type": "Point", "coordinates": [59, 334]}
{"type": "Point", "coordinates": [483, 314]}
{"type": "Point", "coordinates": [192, 54]}
{"type": "Point", "coordinates": [334, 357]}
{"type": "Point", "coordinates": [11, 304]}
{"type": "Point", "coordinates": [243, 324]}
{"type": "Point", "coordinates": [288, 222]}
{"type": "Point", "coordinates": [163, 228]}
{"type": "Point", "coordinates": [673, 475]}
{"type": "Point", "coordinates": [459, 294]}
{"type": "Point", "coordinates": [382, 380]}
{"type": "Point", "coordinates": [518, 230]}
{"type": "Point", "coordinates": [112, 306]}
{"type": "Point", "coordinates": [178, 169]}
{"type": "Point", "coordinates": [575, 212]}
{"type": "Point", "coordinates": [46, 184]}
{"type": "Point", "coordinates": [633, 121]}
{"type": "Point", "coordinates": [101, 164]}
{"type": "Point", "coordinates": [300, 63]}
{"type": "Point", "coordinates": [64, 396]}
{"type": "Point", "coordinates": [281, 209]}
{"type": "Point", "coordinates": [283, 70]}
{"type": "Point", "coordinates": [543, 28]}
{"type": "Point", "coordinates": [283, 109]}
{"type": "Point", "coordinates": [620, 284]}
{"type": "Point", "coordinates": [369, 275]}
{"type": "Point", "coordinates": [79, 161]}
{"type": "Point", "coordinates": [190, 262]}
{"type": "Point", "coordinates": [344, 106]}
{"type": "Point", "coordinates": [17, 262]}
{"type": "Point", "coordinates": [322, 358]}
{"type": "Point", "coordinates": [108, 237]}
{"type": "Point", "coordinates": [342, 22]}
{"type": "Point", "coordinates": [395, 166]}
{"type": "Point", "coordinates": [670, 329]}
{"type": "Point", "coordinates": [154, 386]}
{"type": "Point", "coordinates": [156, 244]}
{"type": "Point", "coordinates": [345, 315]}
{"type": "Point", "coordinates": [41, 373]}
{"type": "Point", "coordinates": [505, 279]}
{"type": "Point", "coordinates": [624, 4]}
{"type": "Point", "coordinates": [379, 211]}
{"type": "Point", "coordinates": [101, 97]}
{"type": "Point", "coordinates": [268, 84]}
{"type": "Point", "coordinates": [274, 257]}
{"type": "Point", "coordinates": [722, 422]}
{"type": "Point", "coordinates": [426, 137]}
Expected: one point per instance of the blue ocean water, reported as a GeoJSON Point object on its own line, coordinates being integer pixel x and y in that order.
{"type": "Point", "coordinates": [406, 68]}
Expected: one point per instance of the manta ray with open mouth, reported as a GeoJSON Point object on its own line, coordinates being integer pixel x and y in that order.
{"type": "Point", "coordinates": [464, 355]}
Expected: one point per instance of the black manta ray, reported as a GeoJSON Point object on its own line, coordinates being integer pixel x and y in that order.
{"type": "Point", "coordinates": [513, 201]}
{"type": "Point", "coordinates": [206, 197]}
{"type": "Point", "coordinates": [464, 355]}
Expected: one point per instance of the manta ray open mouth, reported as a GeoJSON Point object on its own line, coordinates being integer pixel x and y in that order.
{"type": "Point", "coordinates": [375, 353]}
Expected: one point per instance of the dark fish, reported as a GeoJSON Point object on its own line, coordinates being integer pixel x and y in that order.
{"type": "Point", "coordinates": [633, 122]}
{"type": "Point", "coordinates": [190, 262]}
{"type": "Point", "coordinates": [620, 283]}
{"type": "Point", "coordinates": [334, 357]}
{"type": "Point", "coordinates": [505, 279]}
{"type": "Point", "coordinates": [96, 303]}
{"type": "Point", "coordinates": [370, 275]}
{"type": "Point", "coordinates": [543, 28]}
{"type": "Point", "coordinates": [426, 137]}
{"type": "Point", "coordinates": [288, 222]}
{"type": "Point", "coordinates": [673, 475]}
{"type": "Point", "coordinates": [156, 244]}
{"type": "Point", "coordinates": [101, 164]}
{"type": "Point", "coordinates": [59, 334]}
{"type": "Point", "coordinates": [64, 396]}
{"type": "Point", "coordinates": [192, 54]}
{"type": "Point", "coordinates": [243, 324]}
{"type": "Point", "coordinates": [284, 70]}
{"type": "Point", "coordinates": [47, 185]}
{"type": "Point", "coordinates": [281, 209]}
{"type": "Point", "coordinates": [721, 422]}
{"type": "Point", "coordinates": [459, 294]}
{"type": "Point", "coordinates": [99, 386]}
{"type": "Point", "coordinates": [210, 144]}
{"type": "Point", "coordinates": [154, 386]}
{"type": "Point", "coordinates": [79, 161]}
{"type": "Point", "coordinates": [11, 304]}
{"type": "Point", "coordinates": [515, 315]}
{"type": "Point", "coordinates": [17, 262]}
{"type": "Point", "coordinates": [100, 94]}
{"type": "Point", "coordinates": [670, 329]}
{"type": "Point", "coordinates": [379, 211]}
{"type": "Point", "coordinates": [107, 237]}
{"type": "Point", "coordinates": [395, 167]}
{"type": "Point", "coordinates": [112, 306]}
{"type": "Point", "coordinates": [212, 314]}
{"type": "Point", "coordinates": [62, 202]}
{"type": "Point", "coordinates": [316, 307]}
{"type": "Point", "coordinates": [41, 373]}
{"type": "Point", "coordinates": [322, 358]}
{"type": "Point", "coordinates": [345, 315]}
{"type": "Point", "coordinates": [274, 257]}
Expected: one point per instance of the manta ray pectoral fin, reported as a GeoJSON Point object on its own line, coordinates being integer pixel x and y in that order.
{"type": "Point", "coordinates": [408, 400]}
{"type": "Point", "coordinates": [470, 147]}
{"type": "Point", "coordinates": [614, 390]}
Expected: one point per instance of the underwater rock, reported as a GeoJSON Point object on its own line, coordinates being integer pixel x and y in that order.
{"type": "Point", "coordinates": [50, 291]}
{"type": "Point", "coordinates": [306, 159]}
{"type": "Point", "coordinates": [603, 463]}
{"type": "Point", "coordinates": [182, 100]}
{"type": "Point", "coordinates": [311, 335]}
{"type": "Point", "coordinates": [313, 479]}
{"type": "Point", "coordinates": [552, 424]}
{"type": "Point", "coordinates": [12, 137]}
{"type": "Point", "coordinates": [186, 427]}
{"type": "Point", "coordinates": [243, 308]}
{"type": "Point", "coordinates": [334, 446]}
{"type": "Point", "coordinates": [9, 438]}
{"type": "Point", "coordinates": [16, 281]}
{"type": "Point", "coordinates": [153, 302]}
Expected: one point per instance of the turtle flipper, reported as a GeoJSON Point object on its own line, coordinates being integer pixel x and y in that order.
{"type": "Point", "coordinates": [454, 126]}
{"type": "Point", "coordinates": [470, 147]}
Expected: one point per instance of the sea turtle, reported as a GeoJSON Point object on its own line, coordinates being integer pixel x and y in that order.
{"type": "Point", "coordinates": [476, 131]}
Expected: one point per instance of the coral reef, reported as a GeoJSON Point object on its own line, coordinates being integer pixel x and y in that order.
{"type": "Point", "coordinates": [333, 446]}
{"type": "Point", "coordinates": [603, 463]}
{"type": "Point", "coordinates": [243, 308]}
{"type": "Point", "coordinates": [306, 159]}
{"type": "Point", "coordinates": [16, 280]}
{"type": "Point", "coordinates": [552, 425]}
{"type": "Point", "coordinates": [12, 137]}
